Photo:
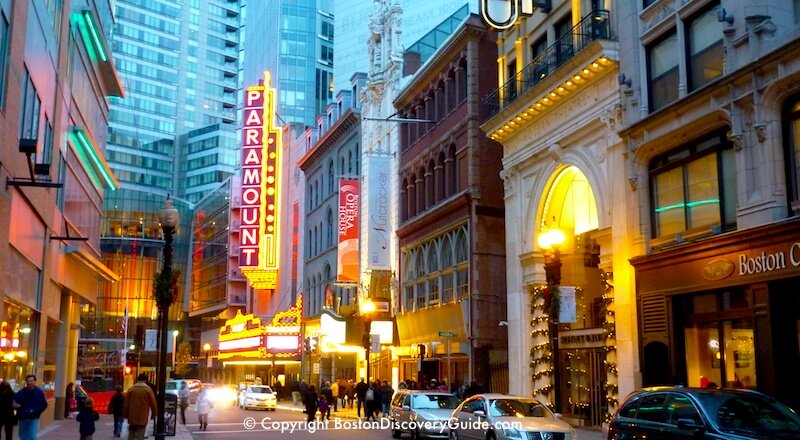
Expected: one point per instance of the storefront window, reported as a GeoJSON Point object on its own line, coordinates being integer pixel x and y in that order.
{"type": "Point", "coordinates": [703, 356]}
{"type": "Point", "coordinates": [18, 330]}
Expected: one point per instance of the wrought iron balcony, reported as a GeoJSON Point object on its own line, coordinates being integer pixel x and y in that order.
{"type": "Point", "coordinates": [593, 27]}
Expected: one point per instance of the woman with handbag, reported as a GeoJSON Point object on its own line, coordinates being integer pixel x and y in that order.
{"type": "Point", "coordinates": [202, 407]}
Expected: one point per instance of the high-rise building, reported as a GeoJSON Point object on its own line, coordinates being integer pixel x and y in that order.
{"type": "Point", "coordinates": [298, 51]}
{"type": "Point", "coordinates": [174, 135]}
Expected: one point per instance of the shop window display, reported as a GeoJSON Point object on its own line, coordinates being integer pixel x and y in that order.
{"type": "Point", "coordinates": [17, 333]}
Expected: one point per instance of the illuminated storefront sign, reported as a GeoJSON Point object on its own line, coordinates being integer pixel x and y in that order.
{"type": "Point", "coordinates": [241, 336]}
{"type": "Point", "coordinates": [347, 258]}
{"type": "Point", "coordinates": [259, 231]}
{"type": "Point", "coordinates": [283, 333]}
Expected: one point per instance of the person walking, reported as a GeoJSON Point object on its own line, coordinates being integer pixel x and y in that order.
{"type": "Point", "coordinates": [324, 408]}
{"type": "Point", "coordinates": [184, 396]}
{"type": "Point", "coordinates": [361, 392]}
{"type": "Point", "coordinates": [139, 404]}
{"type": "Point", "coordinates": [203, 406]}
{"type": "Point", "coordinates": [69, 395]}
{"type": "Point", "coordinates": [7, 417]}
{"type": "Point", "coordinates": [386, 397]}
{"type": "Point", "coordinates": [370, 402]}
{"type": "Point", "coordinates": [310, 402]}
{"type": "Point", "coordinates": [30, 403]}
{"type": "Point", "coordinates": [86, 417]}
{"type": "Point", "coordinates": [335, 394]}
{"type": "Point", "coordinates": [115, 406]}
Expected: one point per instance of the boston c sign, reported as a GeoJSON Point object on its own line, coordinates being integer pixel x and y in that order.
{"type": "Point", "coordinates": [502, 14]}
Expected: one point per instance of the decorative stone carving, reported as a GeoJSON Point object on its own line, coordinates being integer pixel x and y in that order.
{"type": "Point", "coordinates": [633, 182]}
{"type": "Point", "coordinates": [509, 177]}
{"type": "Point", "coordinates": [659, 14]}
{"type": "Point", "coordinates": [612, 117]}
{"type": "Point", "coordinates": [761, 131]}
{"type": "Point", "coordinates": [737, 140]}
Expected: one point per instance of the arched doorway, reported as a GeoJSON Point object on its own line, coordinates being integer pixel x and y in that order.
{"type": "Point", "coordinates": [580, 368]}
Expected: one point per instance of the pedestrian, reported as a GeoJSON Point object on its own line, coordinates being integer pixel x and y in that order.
{"type": "Point", "coordinates": [370, 402]}
{"type": "Point", "coordinates": [69, 396]}
{"type": "Point", "coordinates": [30, 403]}
{"type": "Point", "coordinates": [324, 408]}
{"type": "Point", "coordinates": [115, 406]}
{"type": "Point", "coordinates": [202, 407]}
{"type": "Point", "coordinates": [86, 417]}
{"type": "Point", "coordinates": [386, 397]}
{"type": "Point", "coordinates": [335, 394]}
{"type": "Point", "coordinates": [7, 417]}
{"type": "Point", "coordinates": [184, 397]}
{"type": "Point", "coordinates": [328, 393]}
{"type": "Point", "coordinates": [350, 392]}
{"type": "Point", "coordinates": [361, 393]}
{"type": "Point", "coordinates": [310, 402]}
{"type": "Point", "coordinates": [139, 404]}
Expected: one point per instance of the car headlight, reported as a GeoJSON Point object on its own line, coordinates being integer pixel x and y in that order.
{"type": "Point", "coordinates": [512, 433]}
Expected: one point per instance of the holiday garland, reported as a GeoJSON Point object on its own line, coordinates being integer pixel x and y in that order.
{"type": "Point", "coordinates": [545, 302]}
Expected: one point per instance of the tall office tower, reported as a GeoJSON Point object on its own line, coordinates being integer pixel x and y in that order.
{"type": "Point", "coordinates": [351, 19]}
{"type": "Point", "coordinates": [298, 51]}
{"type": "Point", "coordinates": [173, 135]}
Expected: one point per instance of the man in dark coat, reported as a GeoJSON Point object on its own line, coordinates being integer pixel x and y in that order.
{"type": "Point", "coordinates": [310, 401]}
{"type": "Point", "coordinates": [361, 392]}
{"type": "Point", "coordinates": [30, 403]}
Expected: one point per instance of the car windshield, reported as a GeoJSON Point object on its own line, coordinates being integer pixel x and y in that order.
{"type": "Point", "coordinates": [264, 390]}
{"type": "Point", "coordinates": [172, 385]}
{"type": "Point", "coordinates": [435, 401]}
{"type": "Point", "coordinates": [743, 412]}
{"type": "Point", "coordinates": [518, 408]}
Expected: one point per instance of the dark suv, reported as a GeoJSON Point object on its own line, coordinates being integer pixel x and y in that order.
{"type": "Point", "coordinates": [702, 413]}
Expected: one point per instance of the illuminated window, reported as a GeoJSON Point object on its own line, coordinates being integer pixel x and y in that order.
{"type": "Point", "coordinates": [662, 71]}
{"type": "Point", "coordinates": [694, 187]}
{"type": "Point", "coordinates": [705, 48]}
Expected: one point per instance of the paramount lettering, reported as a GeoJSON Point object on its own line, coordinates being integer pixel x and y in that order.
{"type": "Point", "coordinates": [761, 263]}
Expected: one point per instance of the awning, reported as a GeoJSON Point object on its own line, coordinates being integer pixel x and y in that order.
{"type": "Point", "coordinates": [424, 325]}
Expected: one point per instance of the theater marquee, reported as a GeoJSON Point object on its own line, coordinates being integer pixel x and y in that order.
{"type": "Point", "coordinates": [259, 231]}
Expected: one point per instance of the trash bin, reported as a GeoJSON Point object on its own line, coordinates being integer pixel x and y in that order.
{"type": "Point", "coordinates": [170, 414]}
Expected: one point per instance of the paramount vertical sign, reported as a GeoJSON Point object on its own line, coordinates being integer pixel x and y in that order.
{"type": "Point", "coordinates": [258, 234]}
{"type": "Point", "coordinates": [502, 14]}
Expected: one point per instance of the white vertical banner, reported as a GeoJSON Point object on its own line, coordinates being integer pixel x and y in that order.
{"type": "Point", "coordinates": [567, 310]}
{"type": "Point", "coordinates": [379, 211]}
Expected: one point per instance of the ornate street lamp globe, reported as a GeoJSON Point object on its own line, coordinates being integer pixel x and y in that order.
{"type": "Point", "coordinates": [168, 215]}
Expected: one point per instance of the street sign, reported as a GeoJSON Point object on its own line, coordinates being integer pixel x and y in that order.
{"type": "Point", "coordinates": [447, 334]}
{"type": "Point", "coordinates": [375, 343]}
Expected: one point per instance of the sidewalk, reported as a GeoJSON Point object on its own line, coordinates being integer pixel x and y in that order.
{"type": "Point", "coordinates": [347, 413]}
{"type": "Point", "coordinates": [105, 430]}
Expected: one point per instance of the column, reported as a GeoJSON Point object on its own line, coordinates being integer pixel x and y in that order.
{"type": "Point", "coordinates": [65, 359]}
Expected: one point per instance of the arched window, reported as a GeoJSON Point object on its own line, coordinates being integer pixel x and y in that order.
{"type": "Point", "coordinates": [447, 269]}
{"type": "Point", "coordinates": [329, 229]}
{"type": "Point", "coordinates": [441, 186]}
{"type": "Point", "coordinates": [327, 278]}
{"type": "Point", "coordinates": [462, 252]}
{"type": "Point", "coordinates": [350, 163]}
{"type": "Point", "coordinates": [316, 249]}
{"type": "Point", "coordinates": [791, 129]}
{"type": "Point", "coordinates": [450, 170]}
{"type": "Point", "coordinates": [422, 286]}
{"type": "Point", "coordinates": [342, 169]}
{"type": "Point", "coordinates": [330, 177]}
{"type": "Point", "coordinates": [409, 274]}
{"type": "Point", "coordinates": [357, 160]}
{"type": "Point", "coordinates": [321, 238]}
{"type": "Point", "coordinates": [421, 192]}
{"type": "Point", "coordinates": [404, 200]}
{"type": "Point", "coordinates": [433, 269]}
{"type": "Point", "coordinates": [430, 183]}
{"type": "Point", "coordinates": [310, 242]}
{"type": "Point", "coordinates": [462, 262]}
{"type": "Point", "coordinates": [412, 196]}
{"type": "Point", "coordinates": [462, 80]}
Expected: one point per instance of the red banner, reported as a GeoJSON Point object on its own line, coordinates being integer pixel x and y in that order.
{"type": "Point", "coordinates": [348, 257]}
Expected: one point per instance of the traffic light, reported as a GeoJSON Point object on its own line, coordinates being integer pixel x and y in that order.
{"type": "Point", "coordinates": [312, 345]}
{"type": "Point", "coordinates": [307, 345]}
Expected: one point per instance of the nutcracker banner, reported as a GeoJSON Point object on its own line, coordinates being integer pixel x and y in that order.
{"type": "Point", "coordinates": [349, 214]}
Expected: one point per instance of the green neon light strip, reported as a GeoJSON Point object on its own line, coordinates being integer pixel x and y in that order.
{"type": "Point", "coordinates": [687, 205]}
{"type": "Point", "coordinates": [86, 161]}
{"type": "Point", "coordinates": [87, 145]}
{"type": "Point", "coordinates": [80, 20]}
{"type": "Point", "coordinates": [93, 31]}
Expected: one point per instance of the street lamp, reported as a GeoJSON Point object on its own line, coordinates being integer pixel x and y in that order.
{"type": "Point", "coordinates": [206, 349]}
{"type": "Point", "coordinates": [168, 216]}
{"type": "Point", "coordinates": [367, 308]}
{"type": "Point", "coordinates": [551, 240]}
{"type": "Point", "coordinates": [174, 348]}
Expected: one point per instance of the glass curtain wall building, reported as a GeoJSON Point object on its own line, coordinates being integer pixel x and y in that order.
{"type": "Point", "coordinates": [174, 134]}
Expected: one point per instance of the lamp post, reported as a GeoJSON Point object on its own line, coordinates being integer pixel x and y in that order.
{"type": "Point", "coordinates": [168, 216]}
{"type": "Point", "coordinates": [206, 349]}
{"type": "Point", "coordinates": [552, 239]}
{"type": "Point", "coordinates": [367, 308]}
{"type": "Point", "coordinates": [174, 348]}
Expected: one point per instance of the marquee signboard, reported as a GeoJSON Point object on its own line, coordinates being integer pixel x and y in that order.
{"type": "Point", "coordinates": [241, 337]}
{"type": "Point", "coordinates": [261, 167]}
{"type": "Point", "coordinates": [283, 333]}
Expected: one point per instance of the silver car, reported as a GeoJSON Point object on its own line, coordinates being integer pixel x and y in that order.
{"type": "Point", "coordinates": [501, 417]}
{"type": "Point", "coordinates": [421, 413]}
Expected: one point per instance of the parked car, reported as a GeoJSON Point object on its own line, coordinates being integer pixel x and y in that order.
{"type": "Point", "coordinates": [428, 410]}
{"type": "Point", "coordinates": [502, 417]}
{"type": "Point", "coordinates": [702, 413]}
{"type": "Point", "coordinates": [173, 386]}
{"type": "Point", "coordinates": [258, 397]}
